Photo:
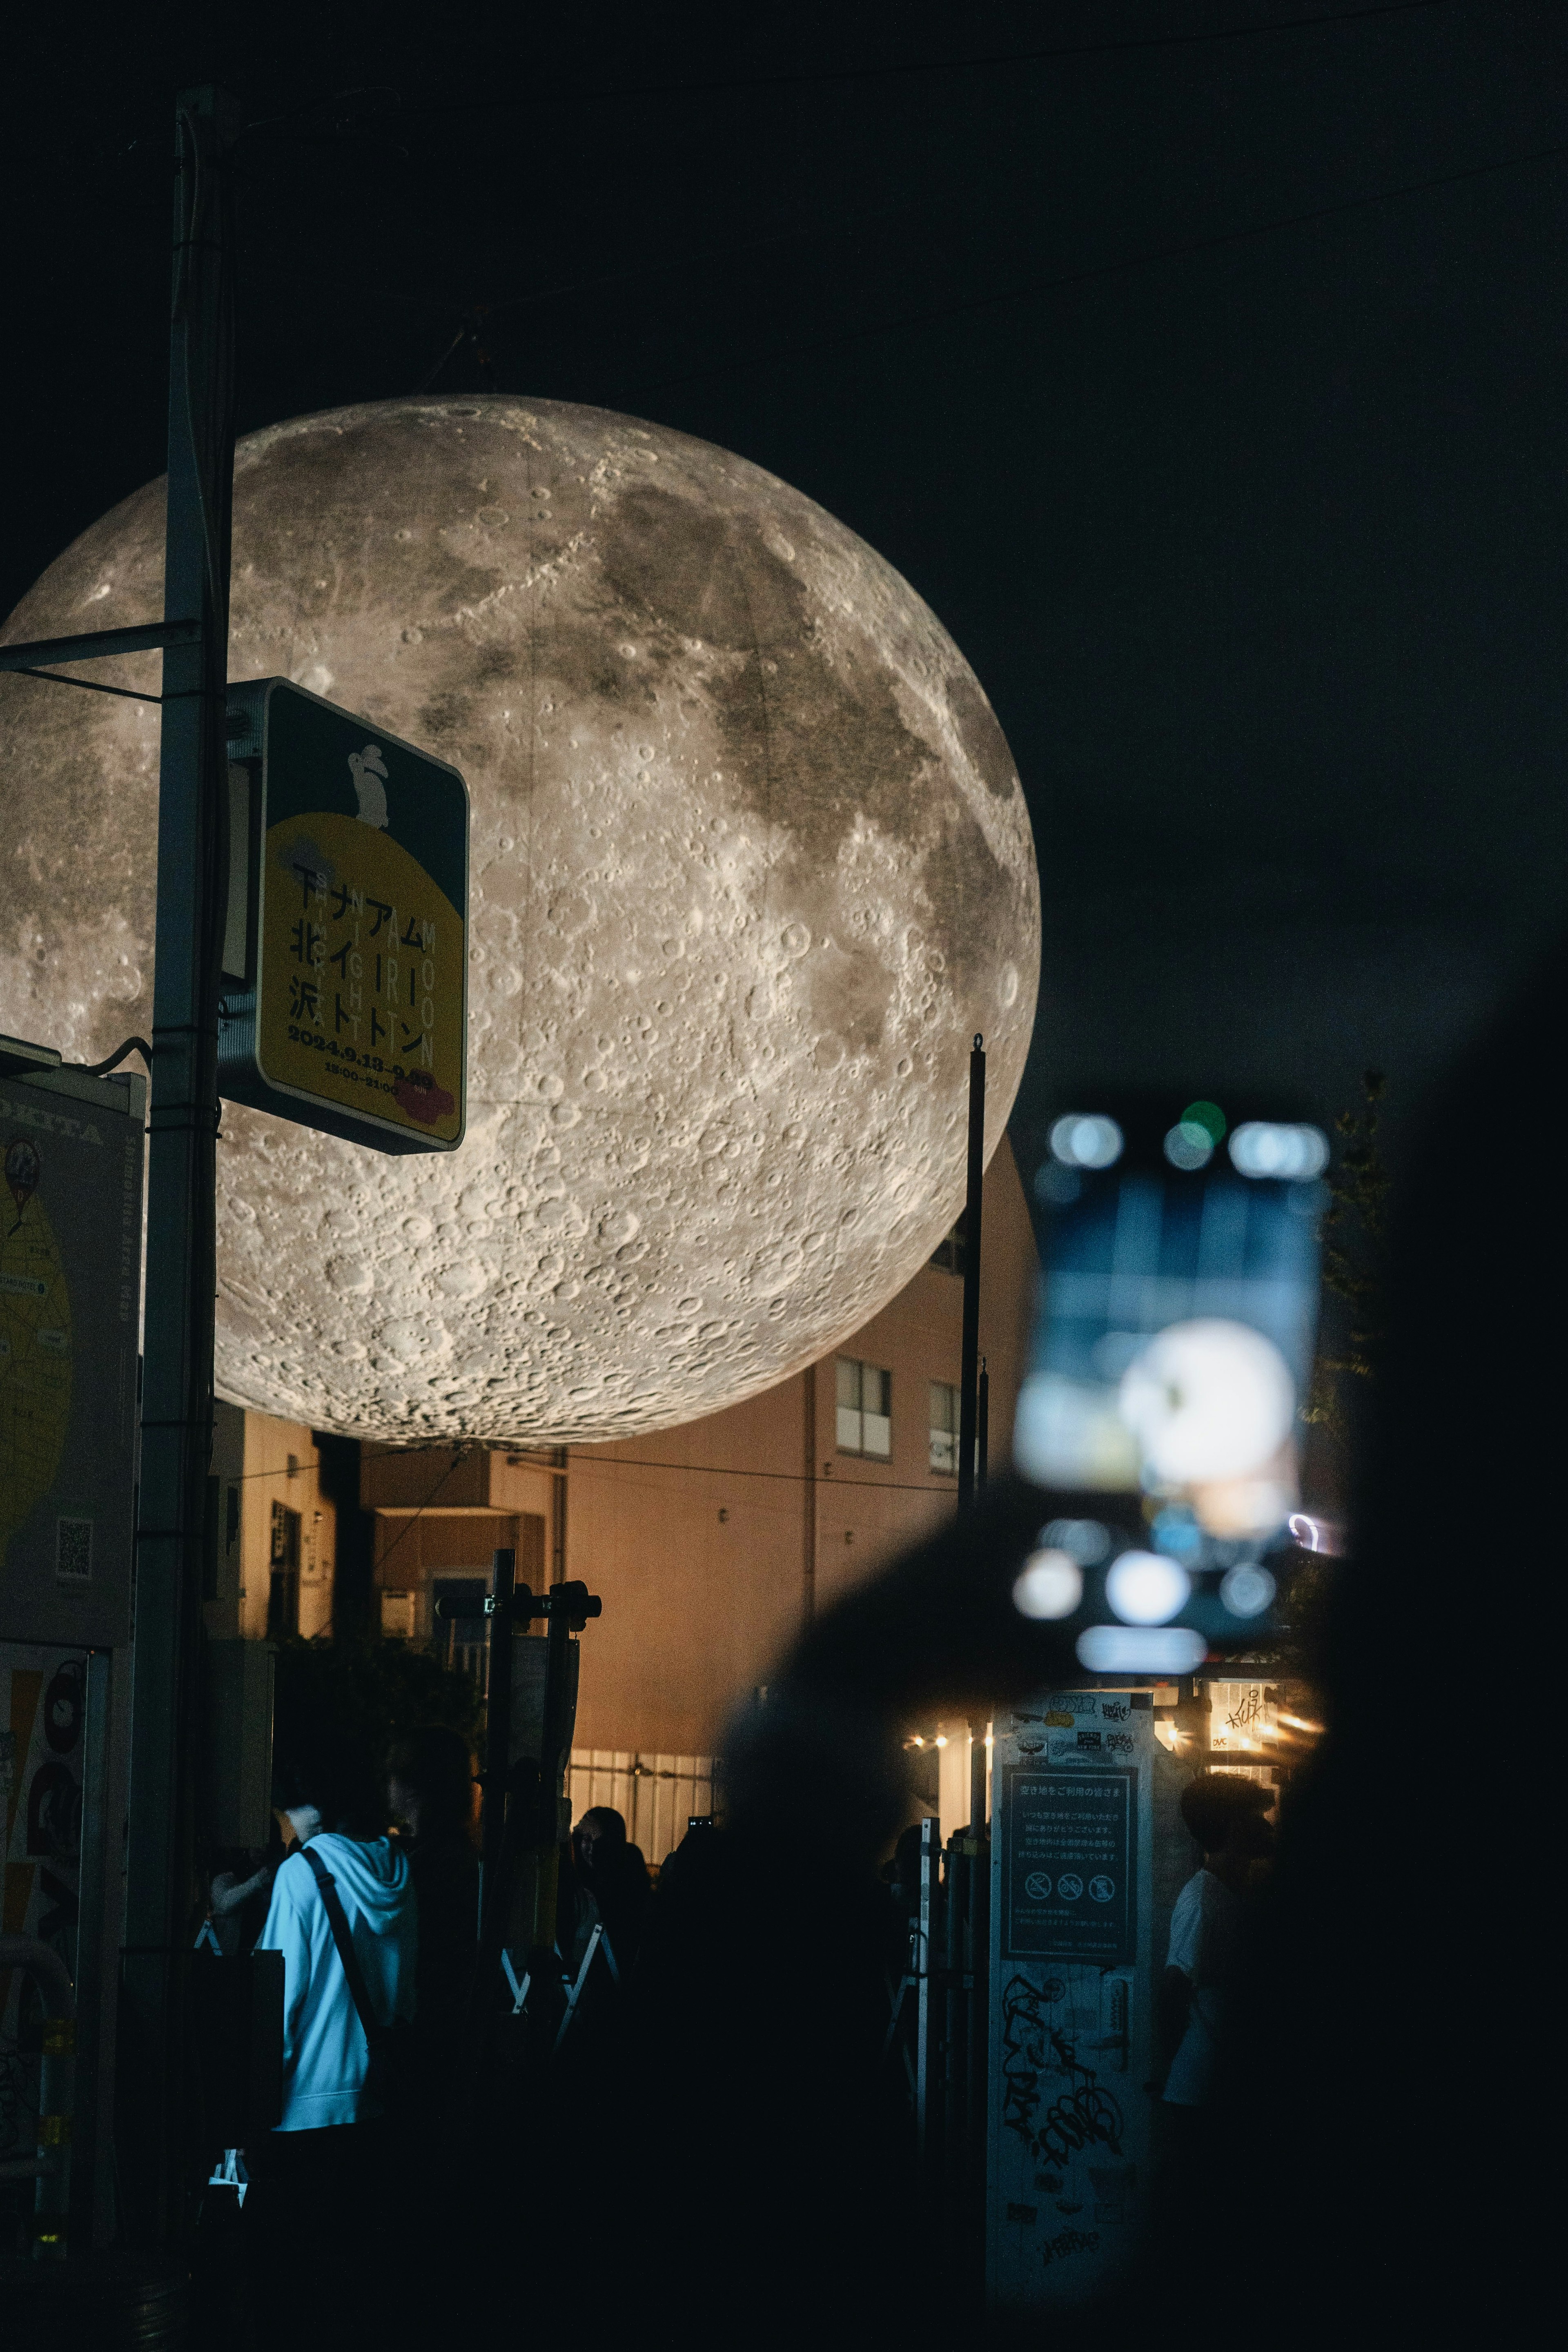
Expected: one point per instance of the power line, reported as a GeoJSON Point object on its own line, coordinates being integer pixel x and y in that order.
{"type": "Point", "coordinates": [1037, 288]}
{"type": "Point", "coordinates": [698, 1469]}
{"type": "Point", "coordinates": [458, 1457]}
{"type": "Point", "coordinates": [589, 1461]}
{"type": "Point", "coordinates": [790, 1477]}
{"type": "Point", "coordinates": [987, 60]}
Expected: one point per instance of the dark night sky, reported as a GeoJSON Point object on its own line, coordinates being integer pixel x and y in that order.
{"type": "Point", "coordinates": [1257, 549]}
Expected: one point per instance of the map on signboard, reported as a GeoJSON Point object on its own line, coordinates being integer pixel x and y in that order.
{"type": "Point", "coordinates": [35, 1340]}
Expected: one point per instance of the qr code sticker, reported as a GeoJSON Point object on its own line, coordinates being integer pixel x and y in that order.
{"type": "Point", "coordinates": [73, 1550]}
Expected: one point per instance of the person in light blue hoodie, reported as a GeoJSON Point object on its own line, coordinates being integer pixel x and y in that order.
{"type": "Point", "coordinates": [321, 2178]}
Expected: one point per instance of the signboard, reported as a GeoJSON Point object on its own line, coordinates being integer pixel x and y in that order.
{"type": "Point", "coordinates": [1077, 1944]}
{"type": "Point", "coordinates": [70, 1283]}
{"type": "Point", "coordinates": [43, 1740]}
{"type": "Point", "coordinates": [1071, 1842]}
{"type": "Point", "coordinates": [346, 961]}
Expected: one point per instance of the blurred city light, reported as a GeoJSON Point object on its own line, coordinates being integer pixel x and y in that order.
{"type": "Point", "coordinates": [1145, 1588]}
{"type": "Point", "coordinates": [1176, 1533]}
{"type": "Point", "coordinates": [1209, 1116]}
{"type": "Point", "coordinates": [1315, 1534]}
{"type": "Point", "coordinates": [1049, 1584]}
{"type": "Point", "coordinates": [1246, 1589]}
{"type": "Point", "coordinates": [1189, 1146]}
{"type": "Point", "coordinates": [1294, 1154]}
{"type": "Point", "coordinates": [1084, 1540]}
{"type": "Point", "coordinates": [1086, 1139]}
{"type": "Point", "coordinates": [1234, 1508]}
{"type": "Point", "coordinates": [1140, 1650]}
{"type": "Point", "coordinates": [1210, 1399]}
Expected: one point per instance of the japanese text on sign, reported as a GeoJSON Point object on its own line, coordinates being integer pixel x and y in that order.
{"type": "Point", "coordinates": [1069, 1863]}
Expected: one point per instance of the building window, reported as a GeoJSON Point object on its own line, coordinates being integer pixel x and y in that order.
{"type": "Point", "coordinates": [397, 1615]}
{"type": "Point", "coordinates": [944, 1428]}
{"type": "Point", "coordinates": [951, 1252]}
{"type": "Point", "coordinates": [865, 1409]}
{"type": "Point", "coordinates": [462, 1629]}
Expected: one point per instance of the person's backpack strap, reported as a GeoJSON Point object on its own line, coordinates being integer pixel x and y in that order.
{"type": "Point", "coordinates": [374, 2031]}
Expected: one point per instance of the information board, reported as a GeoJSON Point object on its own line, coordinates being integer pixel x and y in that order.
{"type": "Point", "coordinates": [70, 1295]}
{"type": "Point", "coordinates": [345, 1002]}
{"type": "Point", "coordinates": [1071, 1842]}
{"type": "Point", "coordinates": [43, 1719]}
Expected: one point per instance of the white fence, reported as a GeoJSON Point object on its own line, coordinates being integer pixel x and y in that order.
{"type": "Point", "coordinates": [655, 1795]}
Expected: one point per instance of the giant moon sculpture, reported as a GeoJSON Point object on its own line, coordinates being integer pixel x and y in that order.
{"type": "Point", "coordinates": [751, 865]}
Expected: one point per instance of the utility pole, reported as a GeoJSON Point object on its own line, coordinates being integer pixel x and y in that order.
{"type": "Point", "coordinates": [968, 1875]}
{"type": "Point", "coordinates": [969, 1374]}
{"type": "Point", "coordinates": [974, 1201]}
{"type": "Point", "coordinates": [498, 1728]}
{"type": "Point", "coordinates": [177, 1376]}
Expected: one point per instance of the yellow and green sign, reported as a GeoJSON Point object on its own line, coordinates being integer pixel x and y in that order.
{"type": "Point", "coordinates": [345, 1002]}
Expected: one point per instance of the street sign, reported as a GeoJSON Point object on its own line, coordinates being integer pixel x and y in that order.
{"type": "Point", "coordinates": [70, 1298]}
{"type": "Point", "coordinates": [345, 954]}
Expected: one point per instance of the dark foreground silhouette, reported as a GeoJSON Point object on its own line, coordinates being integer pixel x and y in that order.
{"type": "Point", "coordinates": [1369, 2143]}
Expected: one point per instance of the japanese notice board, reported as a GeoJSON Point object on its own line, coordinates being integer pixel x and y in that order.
{"type": "Point", "coordinates": [1067, 1868]}
{"type": "Point", "coordinates": [345, 995]}
{"type": "Point", "coordinates": [43, 1736]}
{"type": "Point", "coordinates": [70, 1299]}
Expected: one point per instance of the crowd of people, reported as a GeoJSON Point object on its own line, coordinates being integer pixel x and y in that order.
{"type": "Point", "coordinates": [370, 1893]}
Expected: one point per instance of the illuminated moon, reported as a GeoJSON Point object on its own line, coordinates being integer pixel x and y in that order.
{"type": "Point", "coordinates": [750, 863]}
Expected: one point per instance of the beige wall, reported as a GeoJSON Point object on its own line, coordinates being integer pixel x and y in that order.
{"type": "Point", "coordinates": [696, 1540]}
{"type": "Point", "coordinates": [259, 1462]}
{"type": "Point", "coordinates": [710, 1544]}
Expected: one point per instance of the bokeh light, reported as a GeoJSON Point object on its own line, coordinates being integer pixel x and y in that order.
{"type": "Point", "coordinates": [1049, 1584]}
{"type": "Point", "coordinates": [1086, 1139]}
{"type": "Point", "coordinates": [1177, 1534]}
{"type": "Point", "coordinates": [1145, 1588]}
{"type": "Point", "coordinates": [1209, 1399]}
{"type": "Point", "coordinates": [1189, 1146]}
{"type": "Point", "coordinates": [1084, 1540]}
{"type": "Point", "coordinates": [1246, 1589]}
{"type": "Point", "coordinates": [1139, 1650]}
{"type": "Point", "coordinates": [1293, 1154]}
{"type": "Point", "coordinates": [1209, 1116]}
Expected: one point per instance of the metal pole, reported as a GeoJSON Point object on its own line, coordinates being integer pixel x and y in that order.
{"type": "Point", "coordinates": [498, 1731]}
{"type": "Point", "coordinates": [969, 1376]}
{"type": "Point", "coordinates": [925, 1968]}
{"type": "Point", "coordinates": [90, 2170]}
{"type": "Point", "coordinates": [176, 1403]}
{"type": "Point", "coordinates": [955, 2015]}
{"type": "Point", "coordinates": [558, 1627]}
{"type": "Point", "coordinates": [983, 1429]}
